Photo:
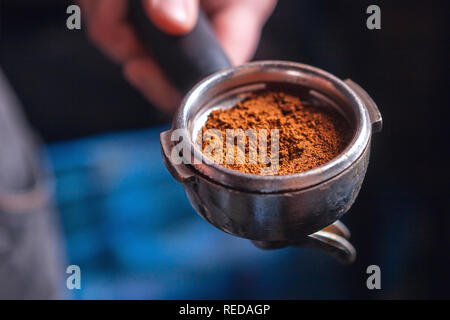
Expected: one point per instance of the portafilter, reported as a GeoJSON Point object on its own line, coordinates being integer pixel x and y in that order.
{"type": "Point", "coordinates": [275, 211]}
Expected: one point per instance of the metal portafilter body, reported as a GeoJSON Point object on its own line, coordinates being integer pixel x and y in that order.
{"type": "Point", "coordinates": [274, 211]}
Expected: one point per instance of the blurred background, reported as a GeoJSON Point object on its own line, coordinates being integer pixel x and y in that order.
{"type": "Point", "coordinates": [128, 224]}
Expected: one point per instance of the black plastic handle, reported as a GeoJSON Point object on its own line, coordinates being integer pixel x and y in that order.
{"type": "Point", "coordinates": [186, 59]}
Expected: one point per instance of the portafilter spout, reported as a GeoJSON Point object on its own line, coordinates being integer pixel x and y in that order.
{"type": "Point", "coordinates": [332, 240]}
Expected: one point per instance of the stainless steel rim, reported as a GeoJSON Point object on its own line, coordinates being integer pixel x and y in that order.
{"type": "Point", "coordinates": [296, 73]}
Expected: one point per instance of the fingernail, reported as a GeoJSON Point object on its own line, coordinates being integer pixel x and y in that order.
{"type": "Point", "coordinates": [181, 13]}
{"type": "Point", "coordinates": [176, 10]}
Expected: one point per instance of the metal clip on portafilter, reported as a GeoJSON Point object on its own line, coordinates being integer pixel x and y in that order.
{"type": "Point", "coordinates": [300, 210]}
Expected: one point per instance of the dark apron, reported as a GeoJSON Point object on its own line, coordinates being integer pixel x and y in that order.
{"type": "Point", "coordinates": [30, 259]}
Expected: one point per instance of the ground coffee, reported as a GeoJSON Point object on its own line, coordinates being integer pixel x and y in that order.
{"type": "Point", "coordinates": [309, 136]}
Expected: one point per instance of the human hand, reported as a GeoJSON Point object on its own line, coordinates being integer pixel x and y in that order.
{"type": "Point", "coordinates": [237, 24]}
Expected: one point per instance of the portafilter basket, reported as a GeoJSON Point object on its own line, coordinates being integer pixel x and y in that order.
{"type": "Point", "coordinates": [284, 210]}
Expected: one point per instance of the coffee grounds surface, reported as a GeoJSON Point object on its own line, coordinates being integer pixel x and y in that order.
{"type": "Point", "coordinates": [309, 135]}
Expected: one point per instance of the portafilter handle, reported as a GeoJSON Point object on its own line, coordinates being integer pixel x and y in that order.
{"type": "Point", "coordinates": [332, 240]}
{"type": "Point", "coordinates": [185, 59]}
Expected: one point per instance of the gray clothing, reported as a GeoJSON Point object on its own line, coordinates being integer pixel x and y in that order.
{"type": "Point", "coordinates": [30, 259]}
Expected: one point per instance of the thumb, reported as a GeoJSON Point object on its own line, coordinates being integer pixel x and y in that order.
{"type": "Point", "coordinates": [175, 17]}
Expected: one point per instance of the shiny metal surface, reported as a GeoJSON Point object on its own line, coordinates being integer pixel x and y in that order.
{"type": "Point", "coordinates": [225, 86]}
{"type": "Point", "coordinates": [275, 211]}
{"type": "Point", "coordinates": [332, 240]}
{"type": "Point", "coordinates": [276, 216]}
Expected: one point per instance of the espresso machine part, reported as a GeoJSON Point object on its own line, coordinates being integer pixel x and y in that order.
{"type": "Point", "coordinates": [300, 210]}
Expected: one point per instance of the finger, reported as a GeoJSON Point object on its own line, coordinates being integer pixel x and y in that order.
{"type": "Point", "coordinates": [88, 7]}
{"type": "Point", "coordinates": [238, 27]}
{"type": "Point", "coordinates": [151, 81]}
{"type": "Point", "coordinates": [109, 28]}
{"type": "Point", "coordinates": [175, 17]}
